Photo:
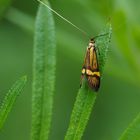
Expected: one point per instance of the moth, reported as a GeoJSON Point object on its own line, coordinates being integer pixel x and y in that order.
{"type": "Point", "coordinates": [90, 68]}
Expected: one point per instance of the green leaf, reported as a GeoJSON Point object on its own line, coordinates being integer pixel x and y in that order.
{"type": "Point", "coordinates": [132, 132]}
{"type": "Point", "coordinates": [103, 44]}
{"type": "Point", "coordinates": [86, 97]}
{"type": "Point", "coordinates": [4, 4]}
{"type": "Point", "coordinates": [10, 99]}
{"type": "Point", "coordinates": [81, 112]}
{"type": "Point", "coordinates": [44, 64]}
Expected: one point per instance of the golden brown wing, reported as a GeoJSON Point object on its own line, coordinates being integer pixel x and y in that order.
{"type": "Point", "coordinates": [93, 60]}
{"type": "Point", "coordinates": [85, 65]}
{"type": "Point", "coordinates": [94, 82]}
{"type": "Point", "coordinates": [90, 67]}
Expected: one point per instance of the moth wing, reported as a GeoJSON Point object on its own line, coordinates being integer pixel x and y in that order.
{"type": "Point", "coordinates": [85, 65]}
{"type": "Point", "coordinates": [86, 60]}
{"type": "Point", "coordinates": [82, 77]}
{"type": "Point", "coordinates": [93, 60]}
{"type": "Point", "coordinates": [94, 82]}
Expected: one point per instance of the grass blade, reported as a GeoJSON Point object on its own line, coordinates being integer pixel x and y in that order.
{"type": "Point", "coordinates": [86, 97]}
{"type": "Point", "coordinates": [133, 130]}
{"type": "Point", "coordinates": [44, 63]}
{"type": "Point", "coordinates": [10, 99]}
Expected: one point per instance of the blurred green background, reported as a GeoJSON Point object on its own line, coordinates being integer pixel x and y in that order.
{"type": "Point", "coordinates": [118, 101]}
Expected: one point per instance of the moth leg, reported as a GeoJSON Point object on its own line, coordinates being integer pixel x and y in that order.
{"type": "Point", "coordinates": [82, 77]}
{"type": "Point", "coordinates": [97, 50]}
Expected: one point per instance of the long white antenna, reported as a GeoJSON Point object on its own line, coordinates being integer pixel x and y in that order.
{"type": "Point", "coordinates": [85, 33]}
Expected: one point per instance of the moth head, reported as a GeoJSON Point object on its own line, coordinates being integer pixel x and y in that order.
{"type": "Point", "coordinates": [91, 43]}
{"type": "Point", "coordinates": [92, 40]}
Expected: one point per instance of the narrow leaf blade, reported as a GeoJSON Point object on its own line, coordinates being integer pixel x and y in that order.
{"type": "Point", "coordinates": [132, 132]}
{"type": "Point", "coordinates": [81, 112]}
{"type": "Point", "coordinates": [85, 99]}
{"type": "Point", "coordinates": [103, 44]}
{"type": "Point", "coordinates": [44, 63]}
{"type": "Point", "coordinates": [10, 99]}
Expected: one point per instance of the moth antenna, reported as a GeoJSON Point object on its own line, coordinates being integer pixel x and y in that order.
{"type": "Point", "coordinates": [85, 33]}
